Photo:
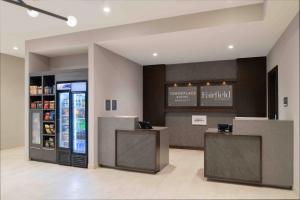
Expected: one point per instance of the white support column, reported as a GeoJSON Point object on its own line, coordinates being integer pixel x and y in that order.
{"type": "Point", "coordinates": [26, 105]}
{"type": "Point", "coordinates": [92, 120]}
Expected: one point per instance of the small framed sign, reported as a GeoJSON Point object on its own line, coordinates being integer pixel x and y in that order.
{"type": "Point", "coordinates": [199, 120]}
{"type": "Point", "coordinates": [182, 96]}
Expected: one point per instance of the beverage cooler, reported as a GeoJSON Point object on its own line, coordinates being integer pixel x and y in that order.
{"type": "Point", "coordinates": [72, 132]}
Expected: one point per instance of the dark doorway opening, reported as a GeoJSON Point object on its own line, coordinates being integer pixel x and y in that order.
{"type": "Point", "coordinates": [273, 93]}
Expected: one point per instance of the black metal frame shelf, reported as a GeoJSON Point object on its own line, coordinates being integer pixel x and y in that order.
{"type": "Point", "coordinates": [41, 152]}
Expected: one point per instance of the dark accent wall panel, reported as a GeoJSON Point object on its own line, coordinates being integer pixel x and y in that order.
{"type": "Point", "coordinates": [154, 94]}
{"type": "Point", "coordinates": [251, 87]}
{"type": "Point", "coordinates": [182, 133]}
{"type": "Point", "coordinates": [213, 70]}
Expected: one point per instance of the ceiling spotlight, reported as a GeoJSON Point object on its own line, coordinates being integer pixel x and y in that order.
{"type": "Point", "coordinates": [72, 21]}
{"type": "Point", "coordinates": [155, 54]}
{"type": "Point", "coordinates": [230, 46]}
{"type": "Point", "coordinates": [32, 13]}
{"type": "Point", "coordinates": [106, 9]}
{"type": "Point", "coordinates": [15, 48]}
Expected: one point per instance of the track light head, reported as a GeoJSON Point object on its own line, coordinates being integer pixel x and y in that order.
{"type": "Point", "coordinates": [72, 21]}
{"type": "Point", "coordinates": [32, 13]}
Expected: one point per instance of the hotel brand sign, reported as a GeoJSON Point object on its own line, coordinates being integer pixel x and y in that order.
{"type": "Point", "coordinates": [210, 96]}
{"type": "Point", "coordinates": [213, 96]}
{"type": "Point", "coordinates": [182, 96]}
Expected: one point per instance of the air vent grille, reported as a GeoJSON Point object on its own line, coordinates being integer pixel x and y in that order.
{"type": "Point", "coordinates": [79, 161]}
{"type": "Point", "coordinates": [64, 158]}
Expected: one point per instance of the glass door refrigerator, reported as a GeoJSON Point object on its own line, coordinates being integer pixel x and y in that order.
{"type": "Point", "coordinates": [72, 123]}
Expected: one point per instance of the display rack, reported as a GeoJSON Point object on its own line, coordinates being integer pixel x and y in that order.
{"type": "Point", "coordinates": [42, 127]}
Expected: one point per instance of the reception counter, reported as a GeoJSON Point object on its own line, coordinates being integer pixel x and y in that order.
{"type": "Point", "coordinates": [258, 152]}
{"type": "Point", "coordinates": [277, 148]}
{"type": "Point", "coordinates": [142, 150]}
{"type": "Point", "coordinates": [233, 158]}
{"type": "Point", "coordinates": [122, 145]}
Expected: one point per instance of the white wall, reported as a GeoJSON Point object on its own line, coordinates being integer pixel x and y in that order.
{"type": "Point", "coordinates": [285, 54]}
{"type": "Point", "coordinates": [111, 77]}
{"type": "Point", "coordinates": [12, 101]}
{"type": "Point", "coordinates": [77, 61]}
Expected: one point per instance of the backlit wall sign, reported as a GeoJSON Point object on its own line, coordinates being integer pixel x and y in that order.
{"type": "Point", "coordinates": [219, 95]}
{"type": "Point", "coordinates": [182, 96]}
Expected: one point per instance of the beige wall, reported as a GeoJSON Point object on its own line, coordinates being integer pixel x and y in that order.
{"type": "Point", "coordinates": [111, 77]}
{"type": "Point", "coordinates": [12, 101]}
{"type": "Point", "coordinates": [77, 61]}
{"type": "Point", "coordinates": [285, 54]}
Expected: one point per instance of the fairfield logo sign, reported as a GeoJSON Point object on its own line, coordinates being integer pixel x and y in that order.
{"type": "Point", "coordinates": [216, 95]}
{"type": "Point", "coordinates": [219, 95]}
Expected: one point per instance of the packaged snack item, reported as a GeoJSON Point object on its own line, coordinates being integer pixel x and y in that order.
{"type": "Point", "coordinates": [47, 116]}
{"type": "Point", "coordinates": [39, 104]}
{"type": "Point", "coordinates": [39, 90]}
{"type": "Point", "coordinates": [52, 128]}
{"type": "Point", "coordinates": [52, 115]}
{"type": "Point", "coordinates": [52, 105]}
{"type": "Point", "coordinates": [46, 104]}
{"type": "Point", "coordinates": [33, 105]}
{"type": "Point", "coordinates": [47, 129]}
{"type": "Point", "coordinates": [33, 90]}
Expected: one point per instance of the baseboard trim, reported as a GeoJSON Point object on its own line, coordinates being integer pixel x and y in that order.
{"type": "Point", "coordinates": [92, 166]}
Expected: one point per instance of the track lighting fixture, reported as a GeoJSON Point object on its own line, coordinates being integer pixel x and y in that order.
{"type": "Point", "coordinates": [34, 12]}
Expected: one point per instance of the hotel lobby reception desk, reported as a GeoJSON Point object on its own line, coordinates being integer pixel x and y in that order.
{"type": "Point", "coordinates": [258, 152]}
{"type": "Point", "coordinates": [142, 150]}
{"type": "Point", "coordinates": [122, 145]}
{"type": "Point", "coordinates": [233, 158]}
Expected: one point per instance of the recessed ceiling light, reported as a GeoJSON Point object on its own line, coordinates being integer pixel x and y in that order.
{"type": "Point", "coordinates": [32, 13]}
{"type": "Point", "coordinates": [15, 48]}
{"type": "Point", "coordinates": [230, 46]}
{"type": "Point", "coordinates": [106, 9]}
{"type": "Point", "coordinates": [155, 54]}
{"type": "Point", "coordinates": [72, 21]}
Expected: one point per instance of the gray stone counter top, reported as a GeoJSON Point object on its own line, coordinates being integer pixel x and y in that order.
{"type": "Point", "coordinates": [158, 128]}
{"type": "Point", "coordinates": [212, 130]}
{"type": "Point", "coordinates": [155, 129]}
{"type": "Point", "coordinates": [215, 130]}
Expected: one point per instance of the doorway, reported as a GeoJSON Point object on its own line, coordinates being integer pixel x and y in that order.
{"type": "Point", "coordinates": [273, 93]}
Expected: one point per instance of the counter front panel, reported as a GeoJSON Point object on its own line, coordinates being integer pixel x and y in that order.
{"type": "Point", "coordinates": [234, 158]}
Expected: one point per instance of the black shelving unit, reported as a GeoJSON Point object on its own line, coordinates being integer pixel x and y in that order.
{"type": "Point", "coordinates": [42, 124]}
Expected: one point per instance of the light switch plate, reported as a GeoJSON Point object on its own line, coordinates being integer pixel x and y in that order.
{"type": "Point", "coordinates": [114, 105]}
{"type": "Point", "coordinates": [107, 105]}
{"type": "Point", "coordinates": [285, 102]}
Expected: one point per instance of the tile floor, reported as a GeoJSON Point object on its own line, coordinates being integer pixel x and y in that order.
{"type": "Point", "coordinates": [183, 178]}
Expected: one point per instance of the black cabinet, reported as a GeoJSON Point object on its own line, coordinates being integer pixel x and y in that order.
{"type": "Point", "coordinates": [251, 87]}
{"type": "Point", "coordinates": [154, 94]}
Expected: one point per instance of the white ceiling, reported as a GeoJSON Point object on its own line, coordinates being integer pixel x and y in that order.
{"type": "Point", "coordinates": [250, 39]}
{"type": "Point", "coordinates": [16, 26]}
